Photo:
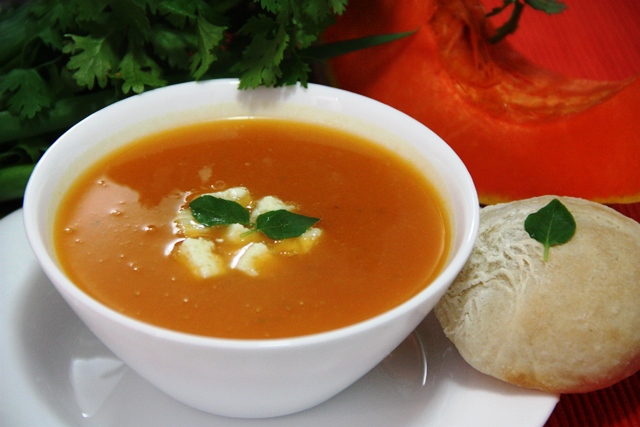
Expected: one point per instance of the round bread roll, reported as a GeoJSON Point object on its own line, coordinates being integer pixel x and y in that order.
{"type": "Point", "coordinates": [567, 325]}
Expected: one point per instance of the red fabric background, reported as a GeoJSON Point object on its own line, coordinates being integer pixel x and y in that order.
{"type": "Point", "coordinates": [597, 40]}
{"type": "Point", "coordinates": [592, 39]}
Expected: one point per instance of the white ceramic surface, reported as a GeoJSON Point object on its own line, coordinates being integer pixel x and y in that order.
{"type": "Point", "coordinates": [55, 373]}
{"type": "Point", "coordinates": [249, 378]}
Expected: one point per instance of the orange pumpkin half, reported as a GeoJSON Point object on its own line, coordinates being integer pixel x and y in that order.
{"type": "Point", "coordinates": [522, 130]}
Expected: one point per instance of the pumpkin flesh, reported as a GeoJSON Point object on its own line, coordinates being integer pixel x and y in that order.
{"type": "Point", "coordinates": [522, 130]}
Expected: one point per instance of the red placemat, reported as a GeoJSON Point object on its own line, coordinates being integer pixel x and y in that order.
{"type": "Point", "coordinates": [591, 39]}
{"type": "Point", "coordinates": [597, 40]}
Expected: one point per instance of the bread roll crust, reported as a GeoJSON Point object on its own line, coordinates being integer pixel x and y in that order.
{"type": "Point", "coordinates": [568, 325]}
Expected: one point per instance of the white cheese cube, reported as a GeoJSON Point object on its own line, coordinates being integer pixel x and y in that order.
{"type": "Point", "coordinates": [199, 255]}
{"type": "Point", "coordinates": [250, 258]}
{"type": "Point", "coordinates": [235, 232]}
{"type": "Point", "coordinates": [269, 203]}
{"type": "Point", "coordinates": [234, 235]}
{"type": "Point", "coordinates": [309, 238]}
{"type": "Point", "coordinates": [186, 223]}
{"type": "Point", "coordinates": [235, 194]}
{"type": "Point", "coordinates": [298, 245]}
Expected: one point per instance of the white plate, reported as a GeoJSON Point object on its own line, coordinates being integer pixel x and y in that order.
{"type": "Point", "coordinates": [54, 372]}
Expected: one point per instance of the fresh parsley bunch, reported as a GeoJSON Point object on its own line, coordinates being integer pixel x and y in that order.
{"type": "Point", "coordinates": [62, 60]}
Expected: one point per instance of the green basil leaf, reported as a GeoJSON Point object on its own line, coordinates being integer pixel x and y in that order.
{"type": "Point", "coordinates": [209, 210]}
{"type": "Point", "coordinates": [551, 225]}
{"type": "Point", "coordinates": [282, 224]}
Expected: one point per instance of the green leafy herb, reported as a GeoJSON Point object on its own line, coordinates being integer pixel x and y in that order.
{"type": "Point", "coordinates": [63, 60]}
{"type": "Point", "coordinates": [549, 6]}
{"type": "Point", "coordinates": [551, 225]}
{"type": "Point", "coordinates": [331, 50]}
{"type": "Point", "coordinates": [282, 224]}
{"type": "Point", "coordinates": [278, 224]}
{"type": "Point", "coordinates": [31, 94]}
{"type": "Point", "coordinates": [212, 211]}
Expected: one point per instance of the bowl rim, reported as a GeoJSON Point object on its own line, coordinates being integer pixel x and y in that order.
{"type": "Point", "coordinates": [31, 207]}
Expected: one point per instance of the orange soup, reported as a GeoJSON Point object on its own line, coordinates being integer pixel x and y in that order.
{"type": "Point", "coordinates": [385, 234]}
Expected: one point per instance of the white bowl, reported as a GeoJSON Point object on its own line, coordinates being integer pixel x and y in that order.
{"type": "Point", "coordinates": [249, 378]}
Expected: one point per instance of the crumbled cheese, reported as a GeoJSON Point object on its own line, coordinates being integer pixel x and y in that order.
{"type": "Point", "coordinates": [205, 173]}
{"type": "Point", "coordinates": [269, 203]}
{"type": "Point", "coordinates": [192, 228]}
{"type": "Point", "coordinates": [235, 233]}
{"type": "Point", "coordinates": [235, 194]}
{"type": "Point", "coordinates": [299, 245]}
{"type": "Point", "coordinates": [188, 224]}
{"type": "Point", "coordinates": [199, 255]}
{"type": "Point", "coordinates": [250, 258]}
{"type": "Point", "coordinates": [208, 252]}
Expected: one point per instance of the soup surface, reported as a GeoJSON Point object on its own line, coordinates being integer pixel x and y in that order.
{"type": "Point", "coordinates": [385, 234]}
